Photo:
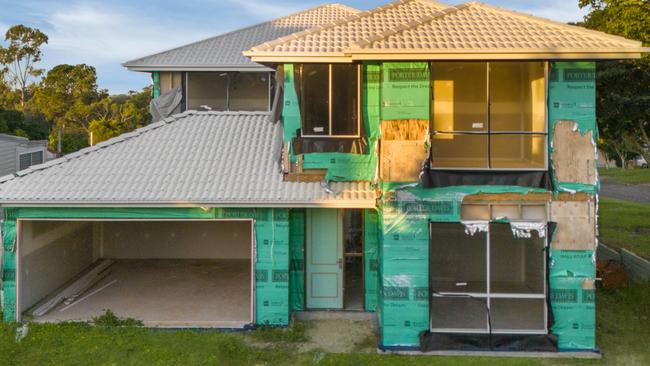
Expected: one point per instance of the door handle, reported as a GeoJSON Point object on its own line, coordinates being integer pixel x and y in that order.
{"type": "Point", "coordinates": [340, 263]}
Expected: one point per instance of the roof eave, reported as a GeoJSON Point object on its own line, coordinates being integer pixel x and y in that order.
{"type": "Point", "coordinates": [366, 55]}
{"type": "Point", "coordinates": [298, 58]}
{"type": "Point", "coordinates": [181, 68]}
{"type": "Point", "coordinates": [184, 204]}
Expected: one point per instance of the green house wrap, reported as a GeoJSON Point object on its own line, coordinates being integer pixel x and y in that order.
{"type": "Point", "coordinates": [271, 238]}
{"type": "Point", "coordinates": [405, 90]}
{"type": "Point", "coordinates": [341, 167]}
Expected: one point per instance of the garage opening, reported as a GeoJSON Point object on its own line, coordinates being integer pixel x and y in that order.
{"type": "Point", "coordinates": [165, 273]}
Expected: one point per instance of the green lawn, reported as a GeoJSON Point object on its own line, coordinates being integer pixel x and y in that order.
{"type": "Point", "coordinates": [626, 176]}
{"type": "Point", "coordinates": [625, 224]}
{"type": "Point", "coordinates": [623, 335]}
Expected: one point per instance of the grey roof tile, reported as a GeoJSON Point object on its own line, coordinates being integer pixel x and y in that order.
{"type": "Point", "coordinates": [198, 158]}
{"type": "Point", "coordinates": [225, 50]}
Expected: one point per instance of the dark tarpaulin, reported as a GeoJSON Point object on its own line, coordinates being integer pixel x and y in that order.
{"type": "Point", "coordinates": [487, 342]}
{"type": "Point", "coordinates": [445, 178]}
{"type": "Point", "coordinates": [306, 145]}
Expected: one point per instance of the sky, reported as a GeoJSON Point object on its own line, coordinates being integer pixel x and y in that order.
{"type": "Point", "coordinates": [105, 34]}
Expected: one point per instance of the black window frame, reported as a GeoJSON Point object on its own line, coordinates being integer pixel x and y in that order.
{"type": "Point", "coordinates": [330, 134]}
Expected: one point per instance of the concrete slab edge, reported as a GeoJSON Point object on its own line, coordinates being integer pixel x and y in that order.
{"type": "Point", "coordinates": [567, 354]}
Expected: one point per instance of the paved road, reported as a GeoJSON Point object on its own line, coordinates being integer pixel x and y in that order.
{"type": "Point", "coordinates": [640, 193]}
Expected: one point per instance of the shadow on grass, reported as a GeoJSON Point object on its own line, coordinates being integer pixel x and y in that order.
{"type": "Point", "coordinates": [623, 334]}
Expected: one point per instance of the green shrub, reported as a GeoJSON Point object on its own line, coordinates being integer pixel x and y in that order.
{"type": "Point", "coordinates": [109, 319]}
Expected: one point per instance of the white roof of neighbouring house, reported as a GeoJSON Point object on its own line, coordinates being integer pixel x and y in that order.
{"type": "Point", "coordinates": [425, 30]}
{"type": "Point", "coordinates": [19, 140]}
{"type": "Point", "coordinates": [224, 52]}
{"type": "Point", "coordinates": [190, 159]}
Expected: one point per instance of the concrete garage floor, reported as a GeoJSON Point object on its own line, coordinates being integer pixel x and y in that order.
{"type": "Point", "coordinates": [168, 293]}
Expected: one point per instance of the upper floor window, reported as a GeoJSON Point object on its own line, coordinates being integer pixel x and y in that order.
{"type": "Point", "coordinates": [228, 91]}
{"type": "Point", "coordinates": [489, 115]}
{"type": "Point", "coordinates": [329, 99]}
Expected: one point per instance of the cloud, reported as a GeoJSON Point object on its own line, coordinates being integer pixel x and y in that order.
{"type": "Point", "coordinates": [270, 9]}
{"type": "Point", "coordinates": [558, 10]}
{"type": "Point", "coordinates": [94, 34]}
{"type": "Point", "coordinates": [561, 11]}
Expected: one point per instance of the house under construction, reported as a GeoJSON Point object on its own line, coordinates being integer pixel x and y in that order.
{"type": "Point", "coordinates": [434, 165]}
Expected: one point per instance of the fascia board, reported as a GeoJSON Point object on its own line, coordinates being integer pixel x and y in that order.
{"type": "Point", "coordinates": [181, 68]}
{"type": "Point", "coordinates": [180, 204]}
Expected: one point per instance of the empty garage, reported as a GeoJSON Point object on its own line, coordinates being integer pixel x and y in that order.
{"type": "Point", "coordinates": [182, 273]}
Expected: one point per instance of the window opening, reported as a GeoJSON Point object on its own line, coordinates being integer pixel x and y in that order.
{"type": "Point", "coordinates": [485, 279]}
{"type": "Point", "coordinates": [489, 115]}
{"type": "Point", "coordinates": [26, 160]}
{"type": "Point", "coordinates": [228, 91]}
{"type": "Point", "coordinates": [329, 99]}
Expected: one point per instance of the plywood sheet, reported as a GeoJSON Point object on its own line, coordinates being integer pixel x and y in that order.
{"type": "Point", "coordinates": [405, 129]}
{"type": "Point", "coordinates": [401, 161]}
{"type": "Point", "coordinates": [507, 197]}
{"type": "Point", "coordinates": [169, 80]}
{"type": "Point", "coordinates": [576, 225]}
{"type": "Point", "coordinates": [574, 154]}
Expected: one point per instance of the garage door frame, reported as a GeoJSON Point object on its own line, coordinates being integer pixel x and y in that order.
{"type": "Point", "coordinates": [19, 234]}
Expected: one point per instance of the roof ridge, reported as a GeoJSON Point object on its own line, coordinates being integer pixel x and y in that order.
{"type": "Point", "coordinates": [341, 6]}
{"type": "Point", "coordinates": [547, 21]}
{"type": "Point", "coordinates": [120, 138]}
{"type": "Point", "coordinates": [320, 28]}
{"type": "Point", "coordinates": [406, 26]}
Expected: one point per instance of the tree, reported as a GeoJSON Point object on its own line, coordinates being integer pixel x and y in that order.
{"type": "Point", "coordinates": [117, 115]}
{"type": "Point", "coordinates": [623, 87]}
{"type": "Point", "coordinates": [21, 55]}
{"type": "Point", "coordinates": [69, 98]}
{"type": "Point", "coordinates": [65, 94]}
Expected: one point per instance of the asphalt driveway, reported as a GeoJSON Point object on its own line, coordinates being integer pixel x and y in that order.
{"type": "Point", "coordinates": [634, 193]}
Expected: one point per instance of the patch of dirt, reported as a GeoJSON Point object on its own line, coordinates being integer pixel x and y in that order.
{"type": "Point", "coordinates": [340, 336]}
{"type": "Point", "coordinates": [328, 335]}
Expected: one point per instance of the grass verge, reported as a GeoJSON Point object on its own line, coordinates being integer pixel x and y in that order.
{"type": "Point", "coordinates": [624, 224]}
{"type": "Point", "coordinates": [623, 335]}
{"type": "Point", "coordinates": [626, 176]}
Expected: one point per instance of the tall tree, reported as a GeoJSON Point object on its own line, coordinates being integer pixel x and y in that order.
{"type": "Point", "coordinates": [64, 92]}
{"type": "Point", "coordinates": [623, 87]}
{"type": "Point", "coordinates": [20, 56]}
{"type": "Point", "coordinates": [65, 97]}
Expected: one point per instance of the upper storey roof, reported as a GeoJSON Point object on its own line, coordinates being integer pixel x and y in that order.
{"type": "Point", "coordinates": [338, 36]}
{"type": "Point", "coordinates": [420, 29]}
{"type": "Point", "coordinates": [224, 52]}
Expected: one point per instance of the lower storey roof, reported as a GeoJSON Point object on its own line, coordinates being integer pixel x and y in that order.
{"type": "Point", "coordinates": [230, 159]}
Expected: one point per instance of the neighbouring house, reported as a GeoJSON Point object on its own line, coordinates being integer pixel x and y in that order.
{"type": "Point", "coordinates": [434, 165]}
{"type": "Point", "coordinates": [19, 153]}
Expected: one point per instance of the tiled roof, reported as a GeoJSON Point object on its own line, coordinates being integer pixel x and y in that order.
{"type": "Point", "coordinates": [338, 36]}
{"type": "Point", "coordinates": [409, 30]}
{"type": "Point", "coordinates": [194, 159]}
{"type": "Point", "coordinates": [479, 26]}
{"type": "Point", "coordinates": [225, 51]}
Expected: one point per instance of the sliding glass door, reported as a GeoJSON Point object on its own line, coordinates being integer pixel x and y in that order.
{"type": "Point", "coordinates": [486, 279]}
